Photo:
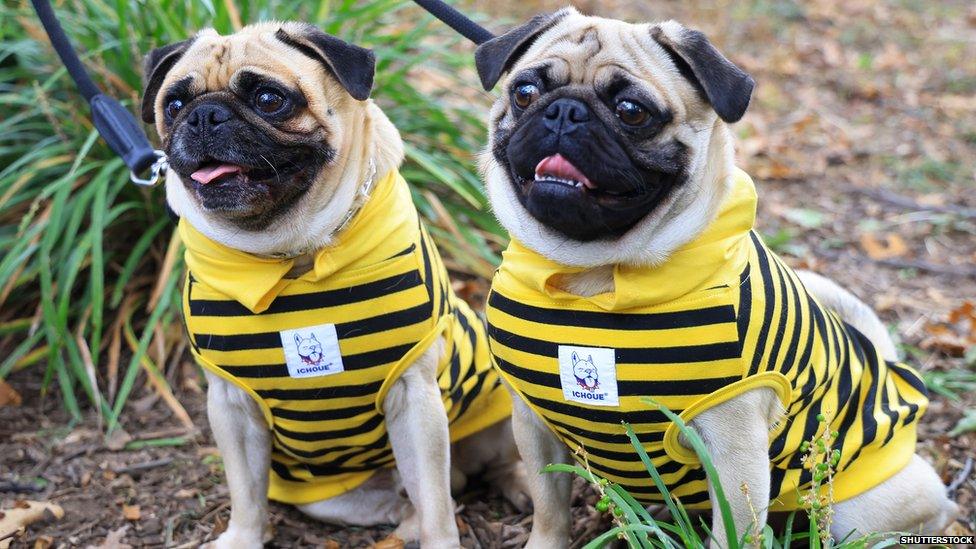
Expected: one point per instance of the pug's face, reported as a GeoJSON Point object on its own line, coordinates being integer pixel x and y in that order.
{"type": "Point", "coordinates": [600, 124]}
{"type": "Point", "coordinates": [251, 122]}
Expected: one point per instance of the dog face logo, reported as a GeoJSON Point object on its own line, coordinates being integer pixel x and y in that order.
{"type": "Point", "coordinates": [309, 349]}
{"type": "Point", "coordinates": [586, 373]}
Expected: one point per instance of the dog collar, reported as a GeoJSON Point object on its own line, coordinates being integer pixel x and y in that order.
{"type": "Point", "coordinates": [362, 197]}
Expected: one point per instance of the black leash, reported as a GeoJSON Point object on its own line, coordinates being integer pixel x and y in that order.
{"type": "Point", "coordinates": [121, 130]}
{"type": "Point", "coordinates": [113, 121]}
{"type": "Point", "coordinates": [457, 21]}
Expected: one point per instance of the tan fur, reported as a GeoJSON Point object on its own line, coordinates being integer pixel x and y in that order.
{"type": "Point", "coordinates": [417, 425]}
{"type": "Point", "coordinates": [586, 50]}
{"type": "Point", "coordinates": [360, 128]}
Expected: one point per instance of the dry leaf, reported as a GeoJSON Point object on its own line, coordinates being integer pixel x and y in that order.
{"type": "Point", "coordinates": [117, 439]}
{"type": "Point", "coordinates": [14, 521]}
{"type": "Point", "coordinates": [892, 246]}
{"type": "Point", "coordinates": [113, 540]}
{"type": "Point", "coordinates": [389, 542]}
{"type": "Point", "coordinates": [965, 312]}
{"type": "Point", "coordinates": [943, 339]}
{"type": "Point", "coordinates": [8, 396]}
{"type": "Point", "coordinates": [131, 512]}
{"type": "Point", "coordinates": [331, 544]}
{"type": "Point", "coordinates": [43, 542]}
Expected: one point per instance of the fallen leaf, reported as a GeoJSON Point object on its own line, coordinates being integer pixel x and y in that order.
{"type": "Point", "coordinates": [113, 540]}
{"type": "Point", "coordinates": [893, 245]}
{"type": "Point", "coordinates": [8, 396]}
{"type": "Point", "coordinates": [14, 521]}
{"type": "Point", "coordinates": [389, 542]}
{"type": "Point", "coordinates": [965, 312]}
{"type": "Point", "coordinates": [117, 439]}
{"type": "Point", "coordinates": [943, 339]}
{"type": "Point", "coordinates": [43, 542]}
{"type": "Point", "coordinates": [131, 512]}
{"type": "Point", "coordinates": [331, 544]}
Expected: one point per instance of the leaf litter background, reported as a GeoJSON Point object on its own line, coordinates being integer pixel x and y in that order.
{"type": "Point", "coordinates": [862, 141]}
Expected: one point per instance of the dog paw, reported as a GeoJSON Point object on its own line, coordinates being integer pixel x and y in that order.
{"type": "Point", "coordinates": [241, 538]}
{"type": "Point", "coordinates": [515, 487]}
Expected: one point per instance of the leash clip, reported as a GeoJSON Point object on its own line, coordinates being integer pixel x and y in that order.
{"type": "Point", "coordinates": [155, 171]}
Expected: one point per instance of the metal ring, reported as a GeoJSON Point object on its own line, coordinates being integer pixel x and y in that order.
{"type": "Point", "coordinates": [156, 171]}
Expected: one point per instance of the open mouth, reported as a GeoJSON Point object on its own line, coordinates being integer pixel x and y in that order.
{"type": "Point", "coordinates": [557, 170]}
{"type": "Point", "coordinates": [216, 172]}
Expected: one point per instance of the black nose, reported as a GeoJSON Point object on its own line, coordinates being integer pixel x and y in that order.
{"type": "Point", "coordinates": [207, 117]}
{"type": "Point", "coordinates": [565, 115]}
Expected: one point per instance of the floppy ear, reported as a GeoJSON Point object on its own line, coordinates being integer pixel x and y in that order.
{"type": "Point", "coordinates": [158, 63]}
{"type": "Point", "coordinates": [497, 55]}
{"type": "Point", "coordinates": [351, 65]}
{"type": "Point", "coordinates": [726, 87]}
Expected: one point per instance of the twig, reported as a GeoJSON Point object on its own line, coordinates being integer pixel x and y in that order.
{"type": "Point", "coordinates": [952, 270]}
{"type": "Point", "coordinates": [140, 467]}
{"type": "Point", "coordinates": [888, 197]}
{"type": "Point", "coordinates": [961, 477]}
{"type": "Point", "coordinates": [20, 487]}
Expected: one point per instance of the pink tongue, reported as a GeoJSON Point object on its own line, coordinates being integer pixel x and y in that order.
{"type": "Point", "coordinates": [208, 174]}
{"type": "Point", "coordinates": [557, 166]}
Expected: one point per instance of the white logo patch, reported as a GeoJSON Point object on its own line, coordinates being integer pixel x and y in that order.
{"type": "Point", "coordinates": [589, 375]}
{"type": "Point", "coordinates": [312, 351]}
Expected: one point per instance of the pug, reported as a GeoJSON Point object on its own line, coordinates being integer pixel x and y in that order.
{"type": "Point", "coordinates": [610, 163]}
{"type": "Point", "coordinates": [340, 364]}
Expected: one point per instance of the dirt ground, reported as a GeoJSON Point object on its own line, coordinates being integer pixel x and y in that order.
{"type": "Point", "coordinates": [862, 141]}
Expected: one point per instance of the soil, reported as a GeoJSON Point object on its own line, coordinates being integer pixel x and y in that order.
{"type": "Point", "coordinates": [861, 140]}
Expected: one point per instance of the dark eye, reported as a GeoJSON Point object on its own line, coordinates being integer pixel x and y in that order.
{"type": "Point", "coordinates": [632, 114]}
{"type": "Point", "coordinates": [525, 94]}
{"type": "Point", "coordinates": [268, 101]}
{"type": "Point", "coordinates": [173, 108]}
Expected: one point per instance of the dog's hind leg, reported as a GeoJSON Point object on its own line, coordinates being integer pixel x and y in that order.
{"type": "Point", "coordinates": [374, 502]}
{"type": "Point", "coordinates": [851, 310]}
{"type": "Point", "coordinates": [493, 454]}
{"type": "Point", "coordinates": [417, 427]}
{"type": "Point", "coordinates": [913, 500]}
{"type": "Point", "coordinates": [242, 435]}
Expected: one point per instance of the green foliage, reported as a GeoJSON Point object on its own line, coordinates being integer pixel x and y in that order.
{"type": "Point", "coordinates": [86, 256]}
{"type": "Point", "coordinates": [633, 523]}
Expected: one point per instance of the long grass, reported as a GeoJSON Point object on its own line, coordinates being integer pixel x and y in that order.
{"type": "Point", "coordinates": [89, 269]}
{"type": "Point", "coordinates": [634, 524]}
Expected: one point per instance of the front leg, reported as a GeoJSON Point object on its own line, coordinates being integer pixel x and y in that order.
{"type": "Point", "coordinates": [736, 435]}
{"type": "Point", "coordinates": [244, 442]}
{"type": "Point", "coordinates": [417, 427]}
{"type": "Point", "coordinates": [550, 492]}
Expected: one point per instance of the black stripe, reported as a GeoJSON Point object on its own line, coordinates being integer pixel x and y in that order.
{"type": "Point", "coordinates": [318, 436]}
{"type": "Point", "coordinates": [322, 415]}
{"type": "Point", "coordinates": [744, 315]}
{"type": "Point", "coordinates": [647, 356]}
{"type": "Point", "coordinates": [272, 340]}
{"type": "Point", "coordinates": [359, 361]}
{"type": "Point", "coordinates": [614, 321]}
{"type": "Point", "coordinates": [613, 417]}
{"type": "Point", "coordinates": [607, 437]}
{"type": "Point", "coordinates": [284, 472]}
{"type": "Point", "coordinates": [317, 393]}
{"type": "Point", "coordinates": [378, 443]}
{"type": "Point", "coordinates": [766, 278]}
{"type": "Point", "coordinates": [311, 300]}
{"type": "Point", "coordinates": [909, 376]}
{"type": "Point", "coordinates": [794, 304]}
{"type": "Point", "coordinates": [332, 469]}
{"type": "Point", "coordinates": [672, 387]}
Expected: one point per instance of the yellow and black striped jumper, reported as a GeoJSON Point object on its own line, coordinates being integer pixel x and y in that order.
{"type": "Point", "coordinates": [319, 352]}
{"type": "Point", "coordinates": [721, 316]}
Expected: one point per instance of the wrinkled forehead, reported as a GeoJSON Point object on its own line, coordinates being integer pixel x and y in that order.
{"type": "Point", "coordinates": [592, 50]}
{"type": "Point", "coordinates": [213, 61]}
